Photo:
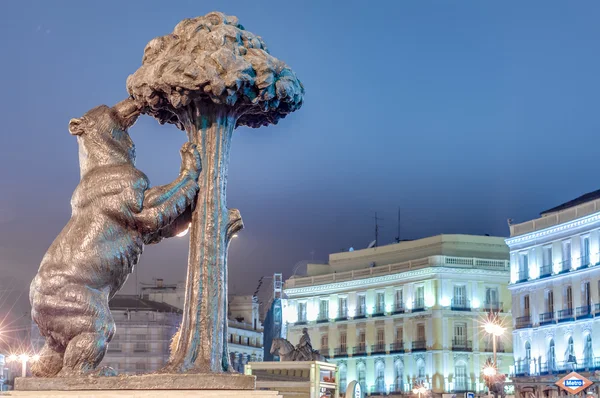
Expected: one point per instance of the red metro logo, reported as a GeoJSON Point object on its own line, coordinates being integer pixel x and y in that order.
{"type": "Point", "coordinates": [574, 383]}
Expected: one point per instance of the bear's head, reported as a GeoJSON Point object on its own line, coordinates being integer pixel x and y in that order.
{"type": "Point", "coordinates": [102, 135]}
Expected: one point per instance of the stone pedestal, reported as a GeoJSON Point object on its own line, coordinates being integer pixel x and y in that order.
{"type": "Point", "coordinates": [159, 381]}
{"type": "Point", "coordinates": [144, 394]}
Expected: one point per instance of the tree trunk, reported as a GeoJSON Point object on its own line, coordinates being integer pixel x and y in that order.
{"type": "Point", "coordinates": [201, 342]}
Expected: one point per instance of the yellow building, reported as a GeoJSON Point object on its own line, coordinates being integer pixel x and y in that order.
{"type": "Point", "coordinates": [406, 314]}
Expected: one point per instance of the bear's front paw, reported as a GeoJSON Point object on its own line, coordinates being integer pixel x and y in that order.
{"type": "Point", "coordinates": [190, 160]}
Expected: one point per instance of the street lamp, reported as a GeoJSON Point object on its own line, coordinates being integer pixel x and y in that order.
{"type": "Point", "coordinates": [23, 358]}
{"type": "Point", "coordinates": [489, 371]}
{"type": "Point", "coordinates": [419, 390]}
{"type": "Point", "coordinates": [493, 327]}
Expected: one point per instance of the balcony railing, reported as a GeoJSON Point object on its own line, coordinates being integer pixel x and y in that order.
{"type": "Point", "coordinates": [493, 306]}
{"type": "Point", "coordinates": [397, 347]}
{"type": "Point", "coordinates": [460, 305]}
{"type": "Point", "coordinates": [379, 311]}
{"type": "Point", "coordinates": [324, 350]}
{"type": "Point", "coordinates": [360, 349]}
{"type": "Point", "coordinates": [523, 276]}
{"type": "Point", "coordinates": [418, 305]}
{"type": "Point", "coordinates": [547, 318]}
{"type": "Point", "coordinates": [530, 367]}
{"type": "Point", "coordinates": [378, 348]}
{"type": "Point", "coordinates": [489, 347]}
{"type": "Point", "coordinates": [322, 318]}
{"type": "Point", "coordinates": [419, 345]}
{"type": "Point", "coordinates": [341, 351]}
{"type": "Point", "coordinates": [396, 388]}
{"type": "Point", "coordinates": [565, 315]}
{"type": "Point", "coordinates": [342, 314]}
{"type": "Point", "coordinates": [584, 261]}
{"type": "Point", "coordinates": [398, 308]}
{"type": "Point", "coordinates": [545, 270]}
{"type": "Point", "coordinates": [565, 266]}
{"type": "Point", "coordinates": [584, 312]}
{"type": "Point", "coordinates": [523, 322]}
{"type": "Point", "coordinates": [361, 312]}
{"type": "Point", "coordinates": [462, 345]}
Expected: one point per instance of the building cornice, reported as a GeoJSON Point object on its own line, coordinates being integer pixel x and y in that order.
{"type": "Point", "coordinates": [402, 276]}
{"type": "Point", "coordinates": [547, 232]}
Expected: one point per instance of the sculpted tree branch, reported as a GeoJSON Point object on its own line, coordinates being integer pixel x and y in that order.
{"type": "Point", "coordinates": [208, 77]}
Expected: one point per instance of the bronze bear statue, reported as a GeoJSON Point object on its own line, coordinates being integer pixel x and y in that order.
{"type": "Point", "coordinates": [114, 213]}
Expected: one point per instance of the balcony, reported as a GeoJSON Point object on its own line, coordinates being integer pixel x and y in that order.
{"type": "Point", "coordinates": [584, 312]}
{"type": "Point", "coordinates": [361, 312]}
{"type": "Point", "coordinates": [565, 315]}
{"type": "Point", "coordinates": [523, 276]}
{"type": "Point", "coordinates": [378, 348]}
{"type": "Point", "coordinates": [489, 347]}
{"type": "Point", "coordinates": [526, 367]}
{"type": "Point", "coordinates": [419, 345]}
{"type": "Point", "coordinates": [360, 350]}
{"type": "Point", "coordinates": [324, 350]}
{"type": "Point", "coordinates": [584, 261]}
{"type": "Point", "coordinates": [342, 314]}
{"type": "Point", "coordinates": [418, 305]}
{"type": "Point", "coordinates": [396, 388]}
{"type": "Point", "coordinates": [462, 345]}
{"type": "Point", "coordinates": [397, 347]}
{"type": "Point", "coordinates": [493, 306]}
{"type": "Point", "coordinates": [460, 304]}
{"type": "Point", "coordinates": [523, 322]}
{"type": "Point", "coordinates": [547, 318]}
{"type": "Point", "coordinates": [545, 271]}
{"type": "Point", "coordinates": [379, 311]}
{"type": "Point", "coordinates": [341, 351]}
{"type": "Point", "coordinates": [322, 318]}
{"type": "Point", "coordinates": [399, 308]}
{"type": "Point", "coordinates": [565, 266]}
{"type": "Point", "coordinates": [301, 320]}
{"type": "Point", "coordinates": [596, 308]}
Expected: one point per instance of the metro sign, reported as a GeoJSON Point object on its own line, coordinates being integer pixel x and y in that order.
{"type": "Point", "coordinates": [574, 383]}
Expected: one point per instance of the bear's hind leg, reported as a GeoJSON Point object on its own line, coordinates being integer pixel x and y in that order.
{"type": "Point", "coordinates": [49, 364]}
{"type": "Point", "coordinates": [83, 354]}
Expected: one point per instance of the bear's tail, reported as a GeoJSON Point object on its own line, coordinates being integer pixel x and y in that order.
{"type": "Point", "coordinates": [49, 364]}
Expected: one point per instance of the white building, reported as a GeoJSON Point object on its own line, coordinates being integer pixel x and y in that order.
{"type": "Point", "coordinates": [244, 327]}
{"type": "Point", "coordinates": [555, 285]}
{"type": "Point", "coordinates": [410, 313]}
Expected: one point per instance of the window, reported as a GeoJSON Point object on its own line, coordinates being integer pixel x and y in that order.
{"type": "Point", "coordinates": [380, 376]}
{"type": "Point", "coordinates": [343, 307]}
{"type": "Point", "coordinates": [547, 257]}
{"type": "Point", "coordinates": [302, 312]}
{"type": "Point", "coordinates": [523, 267]}
{"type": "Point", "coordinates": [570, 353]}
{"type": "Point", "coordinates": [491, 296]}
{"type": "Point", "coordinates": [343, 342]}
{"type": "Point", "coordinates": [419, 298]}
{"type": "Point", "coordinates": [566, 255]}
{"type": "Point", "coordinates": [421, 378]}
{"type": "Point", "coordinates": [380, 308]}
{"type": "Point", "coordinates": [399, 376]}
{"type": "Point", "coordinates": [588, 354]}
{"type": "Point", "coordinates": [399, 300]}
{"type": "Point", "coordinates": [362, 375]}
{"type": "Point", "coordinates": [362, 306]}
{"type": "Point", "coordinates": [140, 367]}
{"type": "Point", "coordinates": [527, 354]}
{"type": "Point", "coordinates": [460, 297]}
{"type": "Point", "coordinates": [460, 374]}
{"type": "Point", "coordinates": [380, 339]}
{"type": "Point", "coordinates": [526, 305]}
{"type": "Point", "coordinates": [550, 301]}
{"type": "Point", "coordinates": [568, 298]}
{"type": "Point", "coordinates": [585, 251]}
{"type": "Point", "coordinates": [323, 309]}
{"type": "Point", "coordinates": [421, 332]}
{"type": "Point", "coordinates": [343, 378]}
{"type": "Point", "coordinates": [362, 341]}
{"type": "Point", "coordinates": [324, 342]}
{"type": "Point", "coordinates": [586, 297]}
{"type": "Point", "coordinates": [460, 333]}
{"type": "Point", "coordinates": [399, 334]}
{"type": "Point", "coordinates": [551, 356]}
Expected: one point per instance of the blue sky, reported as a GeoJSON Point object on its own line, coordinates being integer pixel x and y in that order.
{"type": "Point", "coordinates": [462, 113]}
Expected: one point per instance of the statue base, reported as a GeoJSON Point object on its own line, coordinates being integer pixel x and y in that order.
{"type": "Point", "coordinates": [152, 382]}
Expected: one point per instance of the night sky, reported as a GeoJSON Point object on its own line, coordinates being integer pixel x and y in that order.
{"type": "Point", "coordinates": [462, 113]}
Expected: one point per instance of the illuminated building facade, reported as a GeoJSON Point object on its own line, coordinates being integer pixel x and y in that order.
{"type": "Point", "coordinates": [406, 314]}
{"type": "Point", "coordinates": [555, 285]}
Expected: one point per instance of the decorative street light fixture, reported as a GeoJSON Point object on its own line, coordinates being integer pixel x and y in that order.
{"type": "Point", "coordinates": [419, 390]}
{"type": "Point", "coordinates": [493, 327]}
{"type": "Point", "coordinates": [23, 358]}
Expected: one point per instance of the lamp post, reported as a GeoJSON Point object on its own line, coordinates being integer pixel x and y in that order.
{"type": "Point", "coordinates": [419, 390]}
{"type": "Point", "coordinates": [489, 371]}
{"type": "Point", "coordinates": [23, 358]}
{"type": "Point", "coordinates": [493, 327]}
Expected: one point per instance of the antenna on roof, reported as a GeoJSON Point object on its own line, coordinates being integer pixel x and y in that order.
{"type": "Point", "coordinates": [376, 229]}
{"type": "Point", "coordinates": [398, 237]}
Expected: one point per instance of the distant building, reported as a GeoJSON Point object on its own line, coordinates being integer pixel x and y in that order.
{"type": "Point", "coordinates": [144, 330]}
{"type": "Point", "coordinates": [245, 329]}
{"type": "Point", "coordinates": [406, 314]}
{"type": "Point", "coordinates": [555, 285]}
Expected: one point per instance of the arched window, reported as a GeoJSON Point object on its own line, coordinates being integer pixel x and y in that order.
{"type": "Point", "coordinates": [528, 362]}
{"type": "Point", "coordinates": [398, 376]}
{"type": "Point", "coordinates": [588, 353]}
{"type": "Point", "coordinates": [380, 376]}
{"type": "Point", "coordinates": [570, 354]}
{"type": "Point", "coordinates": [343, 378]}
{"type": "Point", "coordinates": [551, 356]}
{"type": "Point", "coordinates": [362, 375]}
{"type": "Point", "coordinates": [460, 376]}
{"type": "Point", "coordinates": [421, 378]}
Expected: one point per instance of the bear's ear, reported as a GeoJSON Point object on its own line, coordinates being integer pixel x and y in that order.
{"type": "Point", "coordinates": [76, 126]}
